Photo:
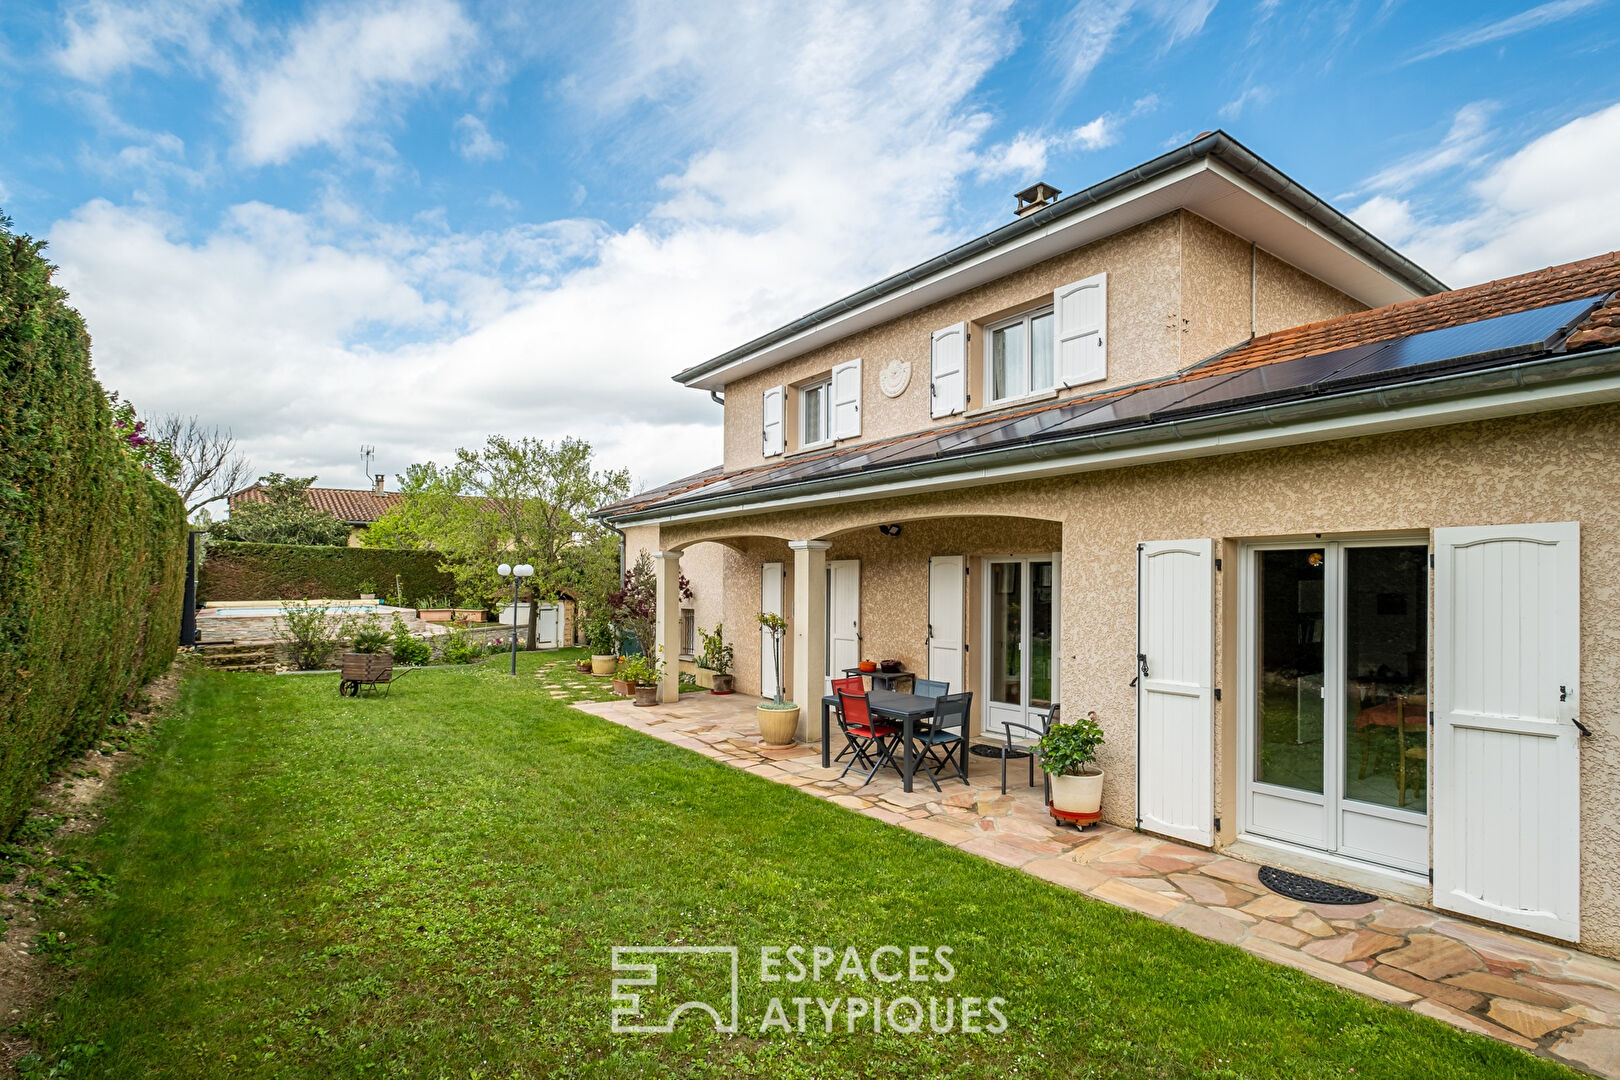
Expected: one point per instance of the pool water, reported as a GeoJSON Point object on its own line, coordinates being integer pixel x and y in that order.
{"type": "Point", "coordinates": [281, 610]}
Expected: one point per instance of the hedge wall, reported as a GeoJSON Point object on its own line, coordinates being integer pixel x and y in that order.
{"type": "Point", "coordinates": [234, 570]}
{"type": "Point", "coordinates": [92, 547]}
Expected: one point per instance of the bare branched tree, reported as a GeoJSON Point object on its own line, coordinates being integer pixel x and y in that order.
{"type": "Point", "coordinates": [210, 465]}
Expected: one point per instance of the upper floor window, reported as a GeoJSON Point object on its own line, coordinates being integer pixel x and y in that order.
{"type": "Point", "coordinates": [1021, 356]}
{"type": "Point", "coordinates": [815, 414]}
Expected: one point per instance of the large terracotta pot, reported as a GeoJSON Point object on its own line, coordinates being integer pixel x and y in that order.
{"type": "Point", "coordinates": [778, 726]}
{"type": "Point", "coordinates": [604, 665]}
{"type": "Point", "coordinates": [1078, 794]}
{"type": "Point", "coordinates": [722, 684]}
{"type": "Point", "coordinates": [646, 695]}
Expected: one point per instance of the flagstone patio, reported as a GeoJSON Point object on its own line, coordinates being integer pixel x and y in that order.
{"type": "Point", "coordinates": [1548, 999]}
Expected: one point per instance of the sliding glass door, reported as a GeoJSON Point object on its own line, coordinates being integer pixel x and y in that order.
{"type": "Point", "coordinates": [1335, 714]}
{"type": "Point", "coordinates": [1021, 636]}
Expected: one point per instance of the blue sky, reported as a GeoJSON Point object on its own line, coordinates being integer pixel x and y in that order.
{"type": "Point", "coordinates": [410, 223]}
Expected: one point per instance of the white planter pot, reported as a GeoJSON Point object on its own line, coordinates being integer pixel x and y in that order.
{"type": "Point", "coordinates": [1078, 794]}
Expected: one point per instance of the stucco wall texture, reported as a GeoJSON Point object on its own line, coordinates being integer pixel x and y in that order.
{"type": "Point", "coordinates": [1546, 467]}
{"type": "Point", "coordinates": [1180, 290]}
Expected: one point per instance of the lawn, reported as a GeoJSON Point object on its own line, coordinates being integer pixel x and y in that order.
{"type": "Point", "coordinates": [430, 885]}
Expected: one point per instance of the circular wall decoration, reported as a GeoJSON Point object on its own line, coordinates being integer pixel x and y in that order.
{"type": "Point", "coordinates": [894, 379]}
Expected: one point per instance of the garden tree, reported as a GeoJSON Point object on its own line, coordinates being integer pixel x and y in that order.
{"type": "Point", "coordinates": [283, 516]}
{"type": "Point", "coordinates": [635, 604]}
{"type": "Point", "coordinates": [206, 466]}
{"type": "Point", "coordinates": [514, 501]}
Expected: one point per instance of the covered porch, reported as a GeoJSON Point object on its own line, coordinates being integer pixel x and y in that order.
{"type": "Point", "coordinates": [970, 600]}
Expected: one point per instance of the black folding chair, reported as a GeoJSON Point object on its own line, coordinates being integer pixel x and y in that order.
{"type": "Point", "coordinates": [930, 688]}
{"type": "Point", "coordinates": [1014, 751]}
{"type": "Point", "coordinates": [945, 742]}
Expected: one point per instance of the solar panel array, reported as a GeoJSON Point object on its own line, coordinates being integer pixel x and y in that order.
{"type": "Point", "coordinates": [1452, 348]}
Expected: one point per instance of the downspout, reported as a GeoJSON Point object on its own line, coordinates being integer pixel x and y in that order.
{"type": "Point", "coordinates": [718, 398]}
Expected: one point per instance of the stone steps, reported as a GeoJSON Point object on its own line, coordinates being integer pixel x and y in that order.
{"type": "Point", "coordinates": [246, 657]}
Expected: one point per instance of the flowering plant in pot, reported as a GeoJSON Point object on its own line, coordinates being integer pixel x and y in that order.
{"type": "Point", "coordinates": [642, 673]}
{"type": "Point", "coordinates": [718, 657]}
{"type": "Point", "coordinates": [778, 719]}
{"type": "Point", "coordinates": [1068, 754]}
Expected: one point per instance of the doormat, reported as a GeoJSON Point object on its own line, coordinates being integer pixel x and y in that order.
{"type": "Point", "coordinates": [982, 750]}
{"type": "Point", "coordinates": [1299, 887]}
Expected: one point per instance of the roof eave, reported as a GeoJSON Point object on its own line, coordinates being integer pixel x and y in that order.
{"type": "Point", "coordinates": [1217, 145]}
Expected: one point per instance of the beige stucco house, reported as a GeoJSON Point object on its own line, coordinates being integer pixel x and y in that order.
{"type": "Point", "coordinates": [1333, 552]}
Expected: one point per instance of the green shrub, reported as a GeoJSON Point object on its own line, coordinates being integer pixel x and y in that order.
{"type": "Point", "coordinates": [406, 648]}
{"type": "Point", "coordinates": [369, 636]}
{"type": "Point", "coordinates": [313, 632]}
{"type": "Point", "coordinates": [240, 571]}
{"type": "Point", "coordinates": [718, 657]}
{"type": "Point", "coordinates": [1069, 748]}
{"type": "Point", "coordinates": [600, 637]}
{"type": "Point", "coordinates": [461, 648]}
{"type": "Point", "coordinates": [92, 545]}
{"type": "Point", "coordinates": [642, 670]}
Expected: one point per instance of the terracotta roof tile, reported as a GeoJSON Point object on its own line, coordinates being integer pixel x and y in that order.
{"type": "Point", "coordinates": [1524, 292]}
{"type": "Point", "coordinates": [357, 506]}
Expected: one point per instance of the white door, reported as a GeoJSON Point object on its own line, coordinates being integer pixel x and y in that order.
{"type": "Point", "coordinates": [546, 626]}
{"type": "Point", "coordinates": [1020, 646]}
{"type": "Point", "coordinates": [770, 601]}
{"type": "Point", "coordinates": [1506, 750]}
{"type": "Point", "coordinates": [1174, 690]}
{"type": "Point", "coordinates": [947, 585]}
{"type": "Point", "coordinates": [843, 617]}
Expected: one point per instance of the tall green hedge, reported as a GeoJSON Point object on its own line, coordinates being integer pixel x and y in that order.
{"type": "Point", "coordinates": [235, 570]}
{"type": "Point", "coordinates": [92, 546]}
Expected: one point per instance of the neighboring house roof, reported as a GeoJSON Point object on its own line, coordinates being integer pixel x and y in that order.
{"type": "Point", "coordinates": [1333, 365]}
{"type": "Point", "coordinates": [1214, 175]}
{"type": "Point", "coordinates": [356, 506]}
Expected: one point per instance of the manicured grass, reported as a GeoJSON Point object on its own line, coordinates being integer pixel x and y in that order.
{"type": "Point", "coordinates": [429, 885]}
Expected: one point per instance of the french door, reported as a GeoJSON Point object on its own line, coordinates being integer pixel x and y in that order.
{"type": "Point", "coordinates": [1334, 711]}
{"type": "Point", "coordinates": [1021, 641]}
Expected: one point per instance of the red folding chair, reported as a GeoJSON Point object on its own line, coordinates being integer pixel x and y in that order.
{"type": "Point", "coordinates": [872, 738]}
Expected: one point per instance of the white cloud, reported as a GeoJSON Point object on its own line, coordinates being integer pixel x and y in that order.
{"type": "Point", "coordinates": [1535, 17]}
{"type": "Point", "coordinates": [1465, 142]}
{"type": "Point", "coordinates": [344, 66]}
{"type": "Point", "coordinates": [1254, 95]}
{"type": "Point", "coordinates": [829, 145]}
{"type": "Point", "coordinates": [1096, 135]}
{"type": "Point", "coordinates": [475, 143]}
{"type": "Point", "coordinates": [1092, 27]}
{"type": "Point", "coordinates": [1550, 202]}
{"type": "Point", "coordinates": [104, 38]}
{"type": "Point", "coordinates": [1025, 155]}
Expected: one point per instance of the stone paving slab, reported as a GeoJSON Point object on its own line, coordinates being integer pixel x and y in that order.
{"type": "Point", "coordinates": [1549, 1000]}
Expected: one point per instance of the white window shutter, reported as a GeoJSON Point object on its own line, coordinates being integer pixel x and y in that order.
{"type": "Point", "coordinates": [771, 420]}
{"type": "Point", "coordinates": [948, 387]}
{"type": "Point", "coordinates": [1081, 330]}
{"type": "Point", "coordinates": [846, 400]}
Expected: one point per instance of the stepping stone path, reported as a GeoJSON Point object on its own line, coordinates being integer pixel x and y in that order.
{"type": "Point", "coordinates": [1549, 1000]}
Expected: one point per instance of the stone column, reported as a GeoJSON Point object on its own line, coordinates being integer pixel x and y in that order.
{"type": "Point", "coordinates": [809, 632]}
{"type": "Point", "coordinates": [667, 569]}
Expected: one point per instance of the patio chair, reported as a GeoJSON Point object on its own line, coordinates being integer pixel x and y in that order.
{"type": "Point", "coordinates": [930, 688]}
{"type": "Point", "coordinates": [945, 742]}
{"type": "Point", "coordinates": [1013, 751]}
{"type": "Point", "coordinates": [873, 739]}
{"type": "Point", "coordinates": [852, 684]}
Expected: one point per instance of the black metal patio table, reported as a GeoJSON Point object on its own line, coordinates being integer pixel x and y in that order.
{"type": "Point", "coordinates": [906, 708]}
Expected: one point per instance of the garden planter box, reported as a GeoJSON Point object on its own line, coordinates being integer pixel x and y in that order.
{"type": "Point", "coordinates": [445, 614]}
{"type": "Point", "coordinates": [622, 687]}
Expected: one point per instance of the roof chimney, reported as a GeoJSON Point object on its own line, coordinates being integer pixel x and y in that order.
{"type": "Point", "coordinates": [377, 484]}
{"type": "Point", "coordinates": [1035, 197]}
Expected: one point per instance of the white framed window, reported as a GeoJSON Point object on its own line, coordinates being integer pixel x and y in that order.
{"type": "Point", "coordinates": [815, 413]}
{"type": "Point", "coordinates": [1019, 357]}
{"type": "Point", "coordinates": [688, 632]}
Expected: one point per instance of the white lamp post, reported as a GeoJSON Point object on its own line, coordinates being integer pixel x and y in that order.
{"type": "Point", "coordinates": [521, 570]}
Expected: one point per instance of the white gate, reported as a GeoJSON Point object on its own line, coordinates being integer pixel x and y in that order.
{"type": "Point", "coordinates": [1175, 689]}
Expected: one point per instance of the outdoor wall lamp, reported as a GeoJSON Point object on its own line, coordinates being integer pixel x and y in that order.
{"type": "Point", "coordinates": [521, 570]}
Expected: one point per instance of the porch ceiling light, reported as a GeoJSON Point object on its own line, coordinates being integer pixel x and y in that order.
{"type": "Point", "coordinates": [889, 530]}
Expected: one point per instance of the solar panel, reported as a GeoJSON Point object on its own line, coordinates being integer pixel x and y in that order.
{"type": "Point", "coordinates": [1530, 331]}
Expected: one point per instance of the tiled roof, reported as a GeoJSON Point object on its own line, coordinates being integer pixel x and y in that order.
{"type": "Point", "coordinates": [1541, 288]}
{"type": "Point", "coordinates": [357, 506]}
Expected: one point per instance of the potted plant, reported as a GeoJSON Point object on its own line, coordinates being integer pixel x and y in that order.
{"type": "Point", "coordinates": [604, 650]}
{"type": "Point", "coordinates": [718, 658]}
{"type": "Point", "coordinates": [642, 673]}
{"type": "Point", "coordinates": [1068, 754]}
{"type": "Point", "coordinates": [778, 719]}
